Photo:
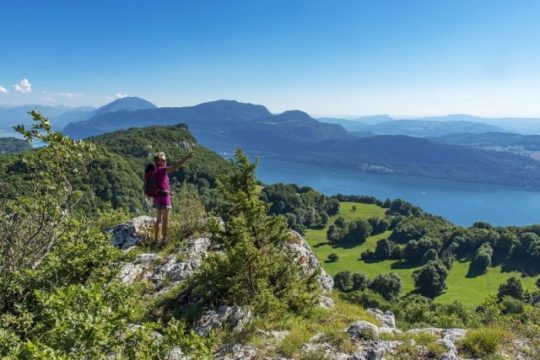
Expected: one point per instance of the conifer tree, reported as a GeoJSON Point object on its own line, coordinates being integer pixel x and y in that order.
{"type": "Point", "coordinates": [255, 268]}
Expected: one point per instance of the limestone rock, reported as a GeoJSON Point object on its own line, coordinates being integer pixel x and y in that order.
{"type": "Point", "coordinates": [454, 334]}
{"type": "Point", "coordinates": [387, 319]}
{"type": "Point", "coordinates": [376, 349]}
{"type": "Point", "coordinates": [181, 265]}
{"type": "Point", "coordinates": [326, 302]}
{"type": "Point", "coordinates": [329, 351]}
{"type": "Point", "coordinates": [363, 330]}
{"type": "Point", "coordinates": [137, 268]}
{"type": "Point", "coordinates": [231, 317]}
{"type": "Point", "coordinates": [309, 262]}
{"type": "Point", "coordinates": [164, 273]}
{"type": "Point", "coordinates": [237, 352]}
{"type": "Point", "coordinates": [451, 350]}
{"type": "Point", "coordinates": [131, 233]}
{"type": "Point", "coordinates": [177, 354]}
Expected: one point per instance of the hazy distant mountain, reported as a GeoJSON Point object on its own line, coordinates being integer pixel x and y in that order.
{"type": "Point", "coordinates": [61, 116]}
{"type": "Point", "coordinates": [77, 114]}
{"type": "Point", "coordinates": [9, 145]}
{"type": "Point", "coordinates": [11, 116]}
{"type": "Point", "coordinates": [357, 124]}
{"type": "Point", "coordinates": [425, 128]}
{"type": "Point", "coordinates": [396, 154]}
{"type": "Point", "coordinates": [385, 125]}
{"type": "Point", "coordinates": [222, 124]}
{"type": "Point", "coordinates": [130, 103]}
{"type": "Point", "coordinates": [528, 145]}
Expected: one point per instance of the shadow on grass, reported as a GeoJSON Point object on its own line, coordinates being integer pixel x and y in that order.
{"type": "Point", "coordinates": [475, 271]}
{"type": "Point", "coordinates": [405, 264]}
{"type": "Point", "coordinates": [346, 244]}
{"type": "Point", "coordinates": [322, 243]}
{"type": "Point", "coordinates": [527, 267]}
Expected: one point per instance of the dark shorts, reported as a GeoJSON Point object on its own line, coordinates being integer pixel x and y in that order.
{"type": "Point", "coordinates": [162, 206]}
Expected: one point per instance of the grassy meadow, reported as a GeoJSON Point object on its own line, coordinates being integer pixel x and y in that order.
{"type": "Point", "coordinates": [469, 291]}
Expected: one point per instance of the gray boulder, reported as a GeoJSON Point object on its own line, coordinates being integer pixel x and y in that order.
{"type": "Point", "coordinates": [326, 302]}
{"type": "Point", "coordinates": [236, 352]}
{"type": "Point", "coordinates": [179, 266]}
{"type": "Point", "coordinates": [376, 349]}
{"type": "Point", "coordinates": [165, 273]}
{"type": "Point", "coordinates": [133, 232]}
{"type": "Point", "coordinates": [454, 334]}
{"type": "Point", "coordinates": [451, 350]}
{"type": "Point", "coordinates": [326, 350]}
{"type": "Point", "coordinates": [138, 268]}
{"type": "Point", "coordinates": [363, 330]}
{"type": "Point", "coordinates": [309, 262]}
{"type": "Point", "coordinates": [387, 319]}
{"type": "Point", "coordinates": [177, 354]}
{"type": "Point", "coordinates": [234, 318]}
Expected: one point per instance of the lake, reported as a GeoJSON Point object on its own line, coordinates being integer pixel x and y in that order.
{"type": "Point", "coordinates": [461, 203]}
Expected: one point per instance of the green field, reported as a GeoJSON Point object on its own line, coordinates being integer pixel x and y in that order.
{"type": "Point", "coordinates": [469, 291]}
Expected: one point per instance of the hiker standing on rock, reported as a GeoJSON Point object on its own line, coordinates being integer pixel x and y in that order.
{"type": "Point", "coordinates": [162, 198]}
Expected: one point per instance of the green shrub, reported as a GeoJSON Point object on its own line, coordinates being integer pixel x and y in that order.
{"type": "Point", "coordinates": [511, 305]}
{"type": "Point", "coordinates": [431, 279]}
{"type": "Point", "coordinates": [191, 217]}
{"type": "Point", "coordinates": [368, 299]}
{"type": "Point", "coordinates": [333, 257]}
{"type": "Point", "coordinates": [483, 342]}
{"type": "Point", "coordinates": [512, 287]}
{"type": "Point", "coordinates": [388, 285]}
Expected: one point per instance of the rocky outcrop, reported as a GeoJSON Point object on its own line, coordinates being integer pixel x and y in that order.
{"type": "Point", "coordinates": [138, 269]}
{"type": "Point", "coordinates": [308, 261]}
{"type": "Point", "coordinates": [169, 271]}
{"type": "Point", "coordinates": [326, 302]}
{"type": "Point", "coordinates": [180, 265]}
{"type": "Point", "coordinates": [387, 319]}
{"type": "Point", "coordinates": [237, 352]}
{"type": "Point", "coordinates": [133, 232]}
{"type": "Point", "coordinates": [177, 354]}
{"type": "Point", "coordinates": [234, 318]}
{"type": "Point", "coordinates": [363, 330]}
{"type": "Point", "coordinates": [368, 344]}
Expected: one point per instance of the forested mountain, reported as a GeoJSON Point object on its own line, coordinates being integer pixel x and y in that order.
{"type": "Point", "coordinates": [294, 135]}
{"type": "Point", "coordinates": [222, 125]}
{"type": "Point", "coordinates": [422, 128]}
{"type": "Point", "coordinates": [416, 128]}
{"type": "Point", "coordinates": [13, 145]}
{"type": "Point", "coordinates": [396, 154]}
{"type": "Point", "coordinates": [514, 143]}
{"type": "Point", "coordinates": [525, 126]}
{"type": "Point", "coordinates": [115, 176]}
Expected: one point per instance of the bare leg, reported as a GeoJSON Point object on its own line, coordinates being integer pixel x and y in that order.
{"type": "Point", "coordinates": [156, 225]}
{"type": "Point", "coordinates": [164, 223]}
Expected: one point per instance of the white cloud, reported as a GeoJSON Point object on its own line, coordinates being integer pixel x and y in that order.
{"type": "Point", "coordinates": [3, 90]}
{"type": "Point", "coordinates": [23, 86]}
{"type": "Point", "coordinates": [120, 95]}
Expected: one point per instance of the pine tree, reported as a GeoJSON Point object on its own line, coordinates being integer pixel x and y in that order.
{"type": "Point", "coordinates": [255, 268]}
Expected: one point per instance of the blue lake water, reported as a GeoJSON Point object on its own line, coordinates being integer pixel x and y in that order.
{"type": "Point", "coordinates": [461, 203]}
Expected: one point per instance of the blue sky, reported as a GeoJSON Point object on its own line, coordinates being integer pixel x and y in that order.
{"type": "Point", "coordinates": [346, 58]}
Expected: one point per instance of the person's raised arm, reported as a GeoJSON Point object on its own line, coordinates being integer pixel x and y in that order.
{"type": "Point", "coordinates": [179, 163]}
